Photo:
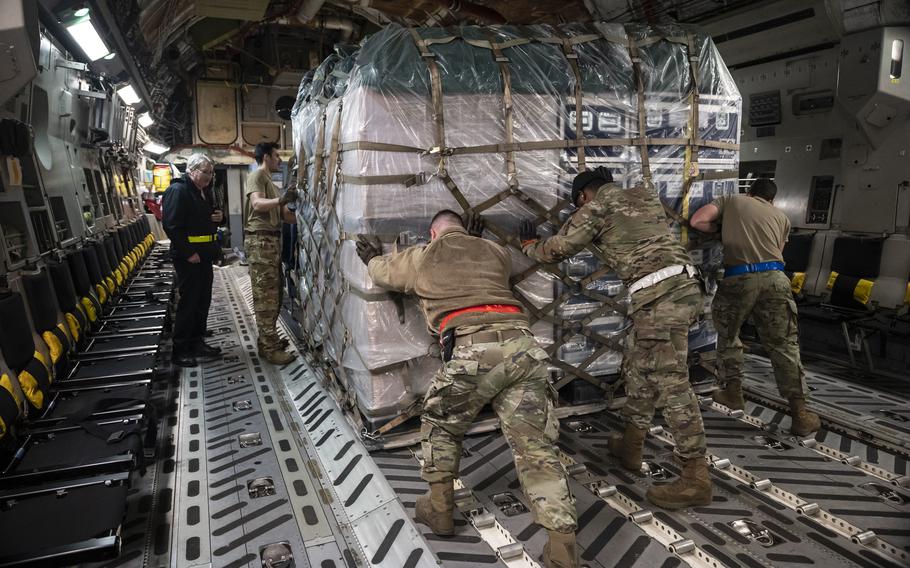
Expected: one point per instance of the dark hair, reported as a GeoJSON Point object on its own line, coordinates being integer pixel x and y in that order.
{"type": "Point", "coordinates": [264, 149]}
{"type": "Point", "coordinates": [764, 188]}
{"type": "Point", "coordinates": [590, 178]}
{"type": "Point", "coordinates": [448, 215]}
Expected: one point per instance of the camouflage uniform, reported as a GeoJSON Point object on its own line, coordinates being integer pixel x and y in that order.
{"type": "Point", "coordinates": [458, 271]}
{"type": "Point", "coordinates": [775, 321]}
{"type": "Point", "coordinates": [262, 242]}
{"type": "Point", "coordinates": [629, 228]}
{"type": "Point", "coordinates": [754, 231]}
{"type": "Point", "coordinates": [263, 254]}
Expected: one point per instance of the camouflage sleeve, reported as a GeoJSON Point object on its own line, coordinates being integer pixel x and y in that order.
{"type": "Point", "coordinates": [396, 271]}
{"type": "Point", "coordinates": [579, 232]}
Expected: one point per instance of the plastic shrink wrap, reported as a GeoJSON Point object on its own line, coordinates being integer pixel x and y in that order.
{"type": "Point", "coordinates": [498, 119]}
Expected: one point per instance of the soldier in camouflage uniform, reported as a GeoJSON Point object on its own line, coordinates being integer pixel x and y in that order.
{"type": "Point", "coordinates": [490, 357]}
{"type": "Point", "coordinates": [263, 214]}
{"type": "Point", "coordinates": [754, 233]}
{"type": "Point", "coordinates": [629, 228]}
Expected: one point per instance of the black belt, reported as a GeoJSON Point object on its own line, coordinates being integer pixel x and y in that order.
{"type": "Point", "coordinates": [489, 337]}
{"type": "Point", "coordinates": [265, 232]}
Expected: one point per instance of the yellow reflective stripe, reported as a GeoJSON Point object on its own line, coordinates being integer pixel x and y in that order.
{"type": "Point", "coordinates": [89, 309]}
{"type": "Point", "coordinates": [7, 383]}
{"type": "Point", "coordinates": [118, 276]}
{"type": "Point", "coordinates": [863, 291]}
{"type": "Point", "coordinates": [109, 283]}
{"type": "Point", "coordinates": [831, 278]}
{"type": "Point", "coordinates": [102, 293]}
{"type": "Point", "coordinates": [797, 282]}
{"type": "Point", "coordinates": [73, 324]}
{"type": "Point", "coordinates": [201, 238]}
{"type": "Point", "coordinates": [53, 344]}
{"type": "Point", "coordinates": [29, 384]}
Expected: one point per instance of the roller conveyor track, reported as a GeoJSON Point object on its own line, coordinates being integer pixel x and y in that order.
{"type": "Point", "coordinates": [862, 413]}
{"type": "Point", "coordinates": [335, 503]}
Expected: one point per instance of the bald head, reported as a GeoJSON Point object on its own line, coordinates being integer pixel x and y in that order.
{"type": "Point", "coordinates": [443, 220]}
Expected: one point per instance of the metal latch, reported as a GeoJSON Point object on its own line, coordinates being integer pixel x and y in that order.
{"type": "Point", "coordinates": [754, 531]}
{"type": "Point", "coordinates": [657, 472]}
{"type": "Point", "coordinates": [770, 443]}
{"type": "Point", "coordinates": [884, 492]}
{"type": "Point", "coordinates": [579, 426]}
{"type": "Point", "coordinates": [509, 504]}
{"type": "Point", "coordinates": [251, 439]}
{"type": "Point", "coordinates": [277, 555]}
{"type": "Point", "coordinates": [260, 487]}
{"type": "Point", "coordinates": [243, 405]}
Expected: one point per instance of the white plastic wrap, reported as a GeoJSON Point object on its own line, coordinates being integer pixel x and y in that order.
{"type": "Point", "coordinates": [376, 159]}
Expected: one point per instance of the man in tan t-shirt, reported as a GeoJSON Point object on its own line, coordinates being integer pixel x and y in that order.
{"type": "Point", "coordinates": [263, 213]}
{"type": "Point", "coordinates": [754, 233]}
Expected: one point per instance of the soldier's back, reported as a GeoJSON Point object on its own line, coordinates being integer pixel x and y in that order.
{"type": "Point", "coordinates": [636, 238]}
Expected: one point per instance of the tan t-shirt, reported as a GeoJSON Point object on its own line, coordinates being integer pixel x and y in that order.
{"type": "Point", "coordinates": [260, 182]}
{"type": "Point", "coordinates": [752, 229]}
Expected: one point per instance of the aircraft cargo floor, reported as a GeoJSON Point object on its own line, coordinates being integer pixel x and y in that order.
{"type": "Point", "coordinates": [257, 464]}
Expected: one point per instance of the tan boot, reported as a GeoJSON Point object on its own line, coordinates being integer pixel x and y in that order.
{"type": "Point", "coordinates": [275, 356]}
{"type": "Point", "coordinates": [437, 507]}
{"type": "Point", "coordinates": [560, 551]}
{"type": "Point", "coordinates": [692, 488]}
{"type": "Point", "coordinates": [628, 447]}
{"type": "Point", "coordinates": [803, 421]}
{"type": "Point", "coordinates": [731, 395]}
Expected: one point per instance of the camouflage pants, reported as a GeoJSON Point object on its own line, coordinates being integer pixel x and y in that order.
{"type": "Point", "coordinates": [767, 299]}
{"type": "Point", "coordinates": [657, 372]}
{"type": "Point", "coordinates": [264, 255]}
{"type": "Point", "coordinates": [511, 375]}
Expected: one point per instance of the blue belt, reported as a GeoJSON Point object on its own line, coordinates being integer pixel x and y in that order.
{"type": "Point", "coordinates": [757, 267]}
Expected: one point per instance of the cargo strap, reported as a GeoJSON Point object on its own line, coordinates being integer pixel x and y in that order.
{"type": "Point", "coordinates": [538, 145]}
{"type": "Point", "coordinates": [415, 409]}
{"type": "Point", "coordinates": [690, 167]}
{"type": "Point", "coordinates": [642, 112]}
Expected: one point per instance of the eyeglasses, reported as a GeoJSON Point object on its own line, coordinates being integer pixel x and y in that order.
{"type": "Point", "coordinates": [207, 173]}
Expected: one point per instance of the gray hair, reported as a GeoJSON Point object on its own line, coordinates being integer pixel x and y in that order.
{"type": "Point", "coordinates": [197, 161]}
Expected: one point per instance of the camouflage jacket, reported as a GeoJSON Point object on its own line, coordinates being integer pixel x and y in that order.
{"type": "Point", "coordinates": [630, 228]}
{"type": "Point", "coordinates": [453, 272]}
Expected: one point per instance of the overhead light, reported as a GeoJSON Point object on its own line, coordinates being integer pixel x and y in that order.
{"type": "Point", "coordinates": [146, 120]}
{"type": "Point", "coordinates": [81, 12]}
{"type": "Point", "coordinates": [85, 34]}
{"type": "Point", "coordinates": [155, 149]}
{"type": "Point", "coordinates": [128, 95]}
{"type": "Point", "coordinates": [110, 55]}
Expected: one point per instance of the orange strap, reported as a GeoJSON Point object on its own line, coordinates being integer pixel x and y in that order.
{"type": "Point", "coordinates": [497, 308]}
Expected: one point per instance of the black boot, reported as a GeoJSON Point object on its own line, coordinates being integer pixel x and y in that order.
{"type": "Point", "coordinates": [184, 358]}
{"type": "Point", "coordinates": [203, 349]}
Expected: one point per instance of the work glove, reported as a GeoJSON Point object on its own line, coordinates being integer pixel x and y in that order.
{"type": "Point", "coordinates": [290, 196]}
{"type": "Point", "coordinates": [527, 232]}
{"type": "Point", "coordinates": [368, 248]}
{"type": "Point", "coordinates": [474, 223]}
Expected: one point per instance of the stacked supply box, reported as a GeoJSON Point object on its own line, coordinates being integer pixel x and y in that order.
{"type": "Point", "coordinates": [498, 119]}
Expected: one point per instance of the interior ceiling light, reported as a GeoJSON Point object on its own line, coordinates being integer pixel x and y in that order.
{"type": "Point", "coordinates": [81, 12]}
{"type": "Point", "coordinates": [146, 120]}
{"type": "Point", "coordinates": [84, 33]}
{"type": "Point", "coordinates": [128, 95]}
{"type": "Point", "coordinates": [155, 148]}
{"type": "Point", "coordinates": [110, 55]}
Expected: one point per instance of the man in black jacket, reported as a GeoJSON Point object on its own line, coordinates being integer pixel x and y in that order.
{"type": "Point", "coordinates": [190, 221]}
